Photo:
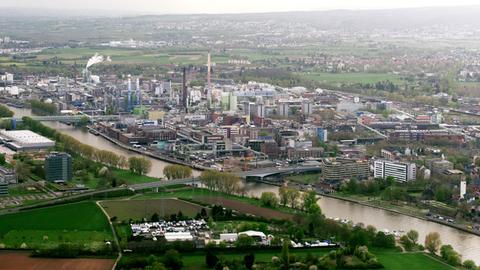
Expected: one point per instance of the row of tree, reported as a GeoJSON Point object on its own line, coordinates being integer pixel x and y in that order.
{"type": "Point", "coordinates": [177, 172]}
{"type": "Point", "coordinates": [42, 108]}
{"type": "Point", "coordinates": [221, 181]}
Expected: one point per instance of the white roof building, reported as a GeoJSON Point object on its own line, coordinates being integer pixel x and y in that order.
{"type": "Point", "coordinates": [178, 236]}
{"type": "Point", "coordinates": [24, 140]}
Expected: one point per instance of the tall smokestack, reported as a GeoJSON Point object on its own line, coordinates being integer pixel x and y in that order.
{"type": "Point", "coordinates": [184, 89]}
{"type": "Point", "coordinates": [129, 101]}
{"type": "Point", "coordinates": [138, 94]}
{"type": "Point", "coordinates": [209, 68]}
{"type": "Point", "coordinates": [209, 86]}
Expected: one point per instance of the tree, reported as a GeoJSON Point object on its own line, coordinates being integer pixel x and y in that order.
{"type": "Point", "coordinates": [155, 217]}
{"type": "Point", "coordinates": [407, 243]}
{"type": "Point", "coordinates": [450, 255]}
{"type": "Point", "coordinates": [383, 240]}
{"type": "Point", "coordinates": [285, 257]}
{"type": "Point", "coordinates": [269, 199]}
{"type": "Point", "coordinates": [220, 181]}
{"type": "Point", "coordinates": [23, 170]}
{"type": "Point", "coordinates": [433, 242]}
{"type": "Point", "coordinates": [470, 265]}
{"type": "Point", "coordinates": [172, 259]}
{"type": "Point", "coordinates": [177, 172]}
{"type": "Point", "coordinates": [211, 259]}
{"type": "Point", "coordinates": [2, 159]}
{"type": "Point", "coordinates": [283, 193]}
{"type": "Point", "coordinates": [413, 236]}
{"type": "Point", "coordinates": [249, 260]}
{"type": "Point", "coordinates": [309, 203]}
{"type": "Point", "coordinates": [244, 241]}
{"type": "Point", "coordinates": [139, 165]}
{"type": "Point", "coordinates": [5, 111]}
{"type": "Point", "coordinates": [352, 186]}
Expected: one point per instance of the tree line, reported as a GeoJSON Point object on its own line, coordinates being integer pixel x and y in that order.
{"type": "Point", "coordinates": [221, 181]}
{"type": "Point", "coordinates": [42, 108]}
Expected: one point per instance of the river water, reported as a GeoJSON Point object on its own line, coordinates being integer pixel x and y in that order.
{"type": "Point", "coordinates": [467, 244]}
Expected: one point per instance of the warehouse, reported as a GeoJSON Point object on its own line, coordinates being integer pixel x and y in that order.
{"type": "Point", "coordinates": [24, 140]}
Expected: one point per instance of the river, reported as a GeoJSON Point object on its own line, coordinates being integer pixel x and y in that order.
{"type": "Point", "coordinates": [467, 244]}
{"type": "Point", "coordinates": [98, 142]}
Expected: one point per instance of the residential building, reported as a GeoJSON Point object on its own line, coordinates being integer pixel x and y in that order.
{"type": "Point", "coordinates": [8, 176]}
{"type": "Point", "coordinates": [401, 171]}
{"type": "Point", "coordinates": [3, 188]}
{"type": "Point", "coordinates": [58, 167]}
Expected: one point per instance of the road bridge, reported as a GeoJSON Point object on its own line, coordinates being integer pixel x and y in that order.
{"type": "Point", "coordinates": [66, 118]}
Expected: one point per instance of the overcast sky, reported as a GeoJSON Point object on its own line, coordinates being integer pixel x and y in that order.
{"type": "Point", "coordinates": [226, 6]}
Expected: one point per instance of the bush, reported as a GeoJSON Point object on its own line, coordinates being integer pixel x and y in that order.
{"type": "Point", "coordinates": [450, 255]}
{"type": "Point", "coordinates": [269, 199]}
{"type": "Point", "coordinates": [211, 259]}
{"type": "Point", "coordinates": [470, 265]}
{"type": "Point", "coordinates": [172, 259]}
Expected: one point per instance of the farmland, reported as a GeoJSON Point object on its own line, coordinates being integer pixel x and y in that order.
{"type": "Point", "coordinates": [76, 223]}
{"type": "Point", "coordinates": [22, 260]}
{"type": "Point", "coordinates": [243, 207]}
{"type": "Point", "coordinates": [139, 209]}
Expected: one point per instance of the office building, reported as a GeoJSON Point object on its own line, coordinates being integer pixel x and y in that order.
{"type": "Point", "coordinates": [344, 169]}
{"type": "Point", "coordinates": [283, 109]}
{"type": "Point", "coordinates": [322, 134]}
{"type": "Point", "coordinates": [401, 171]}
{"type": "Point", "coordinates": [58, 167]}
{"type": "Point", "coordinates": [307, 107]}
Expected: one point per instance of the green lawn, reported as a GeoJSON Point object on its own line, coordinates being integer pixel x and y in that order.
{"type": "Point", "coordinates": [304, 178]}
{"type": "Point", "coordinates": [80, 222]}
{"type": "Point", "coordinates": [131, 178]}
{"type": "Point", "coordinates": [351, 78]}
{"type": "Point", "coordinates": [399, 261]}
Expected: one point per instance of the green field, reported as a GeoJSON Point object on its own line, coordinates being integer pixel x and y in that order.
{"type": "Point", "coordinates": [131, 178]}
{"type": "Point", "coordinates": [398, 261]}
{"type": "Point", "coordinates": [80, 222]}
{"type": "Point", "coordinates": [311, 178]}
{"type": "Point", "coordinates": [139, 209]}
{"type": "Point", "coordinates": [351, 78]}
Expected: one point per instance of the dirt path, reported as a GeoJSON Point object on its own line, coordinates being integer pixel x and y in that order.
{"type": "Point", "coordinates": [117, 243]}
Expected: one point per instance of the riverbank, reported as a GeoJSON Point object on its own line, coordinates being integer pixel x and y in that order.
{"type": "Point", "coordinates": [147, 153]}
{"type": "Point", "coordinates": [400, 212]}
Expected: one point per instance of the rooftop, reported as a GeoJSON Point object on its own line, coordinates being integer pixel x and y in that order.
{"type": "Point", "coordinates": [24, 137]}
